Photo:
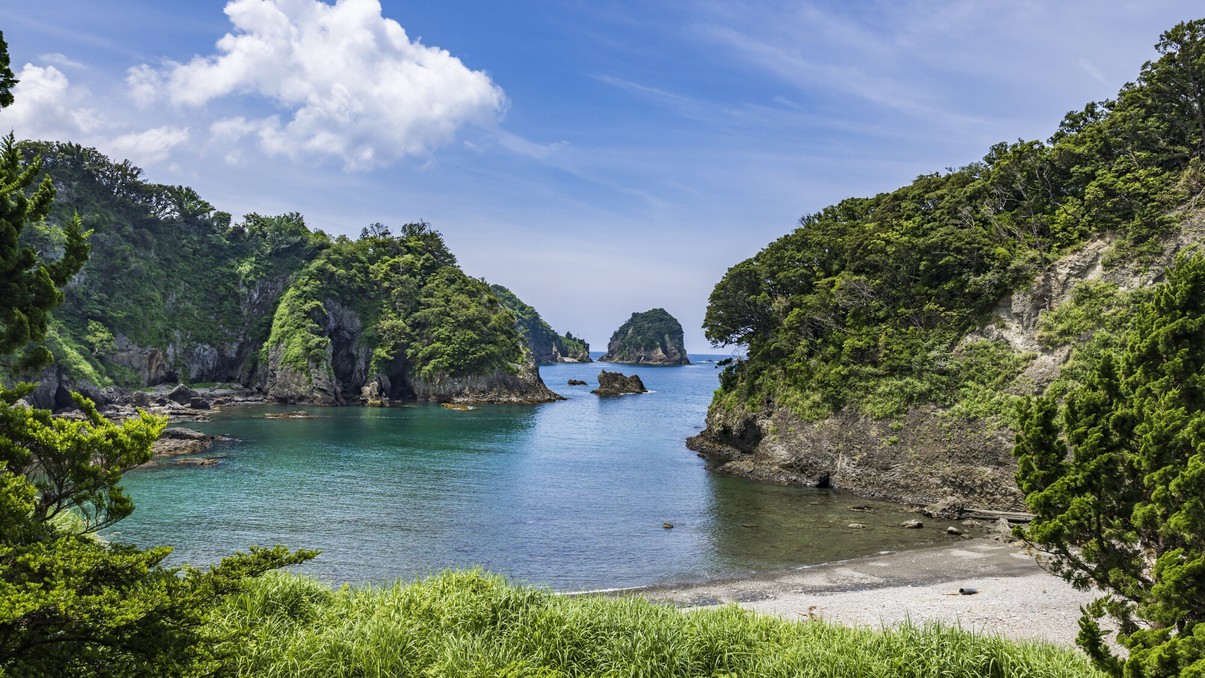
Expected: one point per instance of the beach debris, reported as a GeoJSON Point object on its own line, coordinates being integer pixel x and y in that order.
{"type": "Point", "coordinates": [967, 591]}
{"type": "Point", "coordinates": [855, 526]}
{"type": "Point", "coordinates": [913, 524]}
{"type": "Point", "coordinates": [668, 526]}
{"type": "Point", "coordinates": [456, 406]}
{"type": "Point", "coordinates": [860, 507]}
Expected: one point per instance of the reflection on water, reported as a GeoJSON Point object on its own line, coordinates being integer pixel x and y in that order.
{"type": "Point", "coordinates": [570, 494]}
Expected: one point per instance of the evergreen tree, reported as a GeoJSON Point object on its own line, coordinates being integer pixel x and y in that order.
{"type": "Point", "coordinates": [1118, 485]}
{"type": "Point", "coordinates": [70, 603]}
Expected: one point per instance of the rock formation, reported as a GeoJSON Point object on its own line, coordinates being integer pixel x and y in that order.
{"type": "Point", "coordinates": [650, 338]}
{"type": "Point", "coordinates": [614, 383]}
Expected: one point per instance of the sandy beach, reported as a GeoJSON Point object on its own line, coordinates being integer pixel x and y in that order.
{"type": "Point", "coordinates": [1014, 598]}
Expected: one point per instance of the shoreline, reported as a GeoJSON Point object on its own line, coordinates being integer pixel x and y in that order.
{"type": "Point", "coordinates": [1015, 598]}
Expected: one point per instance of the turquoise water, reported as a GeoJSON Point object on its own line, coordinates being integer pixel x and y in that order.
{"type": "Point", "coordinates": [570, 495]}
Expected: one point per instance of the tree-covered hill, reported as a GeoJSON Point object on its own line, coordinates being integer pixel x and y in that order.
{"type": "Point", "coordinates": [653, 337]}
{"type": "Point", "coordinates": [546, 345]}
{"type": "Point", "coordinates": [175, 290]}
{"type": "Point", "coordinates": [886, 308]}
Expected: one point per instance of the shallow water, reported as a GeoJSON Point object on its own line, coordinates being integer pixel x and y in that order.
{"type": "Point", "coordinates": [570, 495]}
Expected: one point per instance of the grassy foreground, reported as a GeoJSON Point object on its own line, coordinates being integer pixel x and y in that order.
{"type": "Point", "coordinates": [474, 624]}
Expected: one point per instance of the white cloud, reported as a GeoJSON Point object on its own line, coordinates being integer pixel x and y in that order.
{"type": "Point", "coordinates": [149, 146]}
{"type": "Point", "coordinates": [354, 86]}
{"type": "Point", "coordinates": [47, 106]}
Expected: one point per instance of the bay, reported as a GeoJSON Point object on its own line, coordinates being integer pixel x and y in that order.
{"type": "Point", "coordinates": [571, 495]}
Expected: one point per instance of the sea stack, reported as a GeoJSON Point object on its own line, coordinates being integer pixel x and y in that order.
{"type": "Point", "coordinates": [650, 338]}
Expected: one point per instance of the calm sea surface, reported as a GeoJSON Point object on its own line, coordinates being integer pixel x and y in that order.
{"type": "Point", "coordinates": [570, 495]}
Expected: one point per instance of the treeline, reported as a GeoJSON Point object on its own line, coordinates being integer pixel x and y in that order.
{"type": "Point", "coordinates": [866, 303]}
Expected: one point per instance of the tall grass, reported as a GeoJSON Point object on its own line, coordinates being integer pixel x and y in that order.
{"type": "Point", "coordinates": [473, 624]}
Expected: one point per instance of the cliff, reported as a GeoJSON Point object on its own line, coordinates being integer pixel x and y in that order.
{"type": "Point", "coordinates": [546, 345]}
{"type": "Point", "coordinates": [392, 318]}
{"type": "Point", "coordinates": [173, 291]}
{"type": "Point", "coordinates": [890, 339]}
{"type": "Point", "coordinates": [650, 338]}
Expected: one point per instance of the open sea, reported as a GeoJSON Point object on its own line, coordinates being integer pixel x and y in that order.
{"type": "Point", "coordinates": [570, 495]}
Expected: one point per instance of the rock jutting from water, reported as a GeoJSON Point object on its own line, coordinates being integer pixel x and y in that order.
{"type": "Point", "coordinates": [650, 338]}
{"type": "Point", "coordinates": [614, 383]}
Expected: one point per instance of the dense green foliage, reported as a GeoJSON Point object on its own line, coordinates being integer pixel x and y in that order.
{"type": "Point", "coordinates": [544, 342]}
{"type": "Point", "coordinates": [420, 314]}
{"type": "Point", "coordinates": [30, 285]}
{"type": "Point", "coordinates": [70, 603]}
{"type": "Point", "coordinates": [865, 305]}
{"type": "Point", "coordinates": [7, 80]}
{"type": "Point", "coordinates": [166, 269]}
{"type": "Point", "coordinates": [1116, 479]}
{"type": "Point", "coordinates": [644, 333]}
{"type": "Point", "coordinates": [471, 624]}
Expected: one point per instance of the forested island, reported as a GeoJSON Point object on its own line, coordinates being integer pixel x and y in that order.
{"type": "Point", "coordinates": [1026, 332]}
{"type": "Point", "coordinates": [653, 337]}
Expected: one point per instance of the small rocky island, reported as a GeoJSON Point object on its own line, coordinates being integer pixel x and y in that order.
{"type": "Point", "coordinates": [650, 338]}
{"type": "Point", "coordinates": [614, 383]}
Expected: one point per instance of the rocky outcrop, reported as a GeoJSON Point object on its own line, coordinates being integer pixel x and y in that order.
{"type": "Point", "coordinates": [922, 459]}
{"type": "Point", "coordinates": [181, 441]}
{"type": "Point", "coordinates": [650, 338]}
{"type": "Point", "coordinates": [614, 383]}
{"type": "Point", "coordinates": [522, 386]}
{"type": "Point", "coordinates": [928, 457]}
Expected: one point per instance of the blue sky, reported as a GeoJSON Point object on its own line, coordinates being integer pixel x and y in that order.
{"type": "Point", "coordinates": [598, 158]}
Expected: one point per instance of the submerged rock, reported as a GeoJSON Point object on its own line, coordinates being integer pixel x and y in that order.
{"type": "Point", "coordinates": [614, 383]}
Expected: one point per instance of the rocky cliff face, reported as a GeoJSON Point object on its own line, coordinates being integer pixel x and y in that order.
{"type": "Point", "coordinates": [651, 338]}
{"type": "Point", "coordinates": [931, 454]}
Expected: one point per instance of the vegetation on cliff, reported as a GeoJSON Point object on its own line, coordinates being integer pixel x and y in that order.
{"type": "Point", "coordinates": [391, 311]}
{"type": "Point", "coordinates": [546, 345]}
{"type": "Point", "coordinates": [167, 272]}
{"type": "Point", "coordinates": [173, 290]}
{"type": "Point", "coordinates": [869, 303]}
{"type": "Point", "coordinates": [651, 338]}
{"type": "Point", "coordinates": [1115, 475]}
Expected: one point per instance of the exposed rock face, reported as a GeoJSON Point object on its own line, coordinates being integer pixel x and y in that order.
{"type": "Point", "coordinates": [614, 383]}
{"type": "Point", "coordinates": [501, 387]}
{"type": "Point", "coordinates": [650, 338]}
{"type": "Point", "coordinates": [341, 376]}
{"type": "Point", "coordinates": [923, 459]}
{"type": "Point", "coordinates": [927, 457]}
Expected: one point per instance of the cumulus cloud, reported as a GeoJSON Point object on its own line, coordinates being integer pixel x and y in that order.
{"type": "Point", "coordinates": [352, 84]}
{"type": "Point", "coordinates": [47, 106]}
{"type": "Point", "coordinates": [149, 146]}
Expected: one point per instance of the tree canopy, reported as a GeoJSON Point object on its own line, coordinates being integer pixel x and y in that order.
{"type": "Point", "coordinates": [1116, 479]}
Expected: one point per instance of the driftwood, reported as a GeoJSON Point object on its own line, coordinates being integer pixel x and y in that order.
{"type": "Point", "coordinates": [984, 514]}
